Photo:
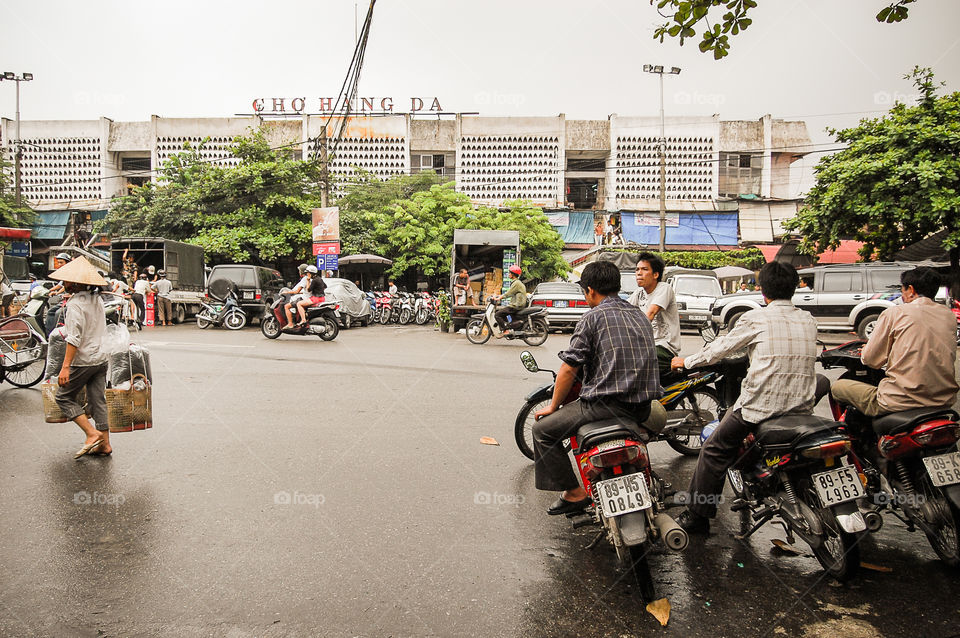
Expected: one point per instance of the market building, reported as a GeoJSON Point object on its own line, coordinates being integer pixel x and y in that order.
{"type": "Point", "coordinates": [727, 182]}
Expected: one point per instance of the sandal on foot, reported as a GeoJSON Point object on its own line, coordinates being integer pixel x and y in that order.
{"type": "Point", "coordinates": [86, 449]}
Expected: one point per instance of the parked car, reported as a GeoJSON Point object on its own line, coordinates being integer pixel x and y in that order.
{"type": "Point", "coordinates": [840, 297]}
{"type": "Point", "coordinates": [563, 300]}
{"type": "Point", "coordinates": [354, 307]}
{"type": "Point", "coordinates": [696, 292]}
{"type": "Point", "coordinates": [256, 285]}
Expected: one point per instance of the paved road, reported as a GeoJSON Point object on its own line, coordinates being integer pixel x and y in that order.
{"type": "Point", "coordinates": [302, 488]}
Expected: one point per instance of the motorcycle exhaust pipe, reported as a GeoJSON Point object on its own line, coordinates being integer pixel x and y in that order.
{"type": "Point", "coordinates": [674, 536]}
{"type": "Point", "coordinates": [873, 520]}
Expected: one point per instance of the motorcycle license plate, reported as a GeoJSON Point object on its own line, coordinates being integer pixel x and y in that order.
{"type": "Point", "coordinates": [560, 304]}
{"type": "Point", "coordinates": [838, 486]}
{"type": "Point", "coordinates": [623, 494]}
{"type": "Point", "coordinates": [943, 469]}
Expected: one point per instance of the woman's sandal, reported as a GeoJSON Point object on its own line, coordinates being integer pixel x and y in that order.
{"type": "Point", "coordinates": [88, 448]}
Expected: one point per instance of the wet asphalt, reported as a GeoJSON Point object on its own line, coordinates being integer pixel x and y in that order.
{"type": "Point", "coordinates": [302, 488]}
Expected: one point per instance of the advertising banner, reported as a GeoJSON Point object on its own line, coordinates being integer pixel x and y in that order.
{"type": "Point", "coordinates": [328, 248]}
{"type": "Point", "coordinates": [653, 219]}
{"type": "Point", "coordinates": [326, 224]}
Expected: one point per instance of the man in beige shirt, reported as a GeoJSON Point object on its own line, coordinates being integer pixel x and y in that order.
{"type": "Point", "coordinates": [916, 342]}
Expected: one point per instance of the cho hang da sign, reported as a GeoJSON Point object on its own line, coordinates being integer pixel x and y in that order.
{"type": "Point", "coordinates": [328, 105]}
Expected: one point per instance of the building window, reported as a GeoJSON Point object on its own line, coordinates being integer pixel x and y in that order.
{"type": "Point", "coordinates": [439, 163]}
{"type": "Point", "coordinates": [136, 171]}
{"type": "Point", "coordinates": [739, 174]}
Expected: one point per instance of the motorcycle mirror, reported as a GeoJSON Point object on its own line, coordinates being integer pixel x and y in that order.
{"type": "Point", "coordinates": [529, 362]}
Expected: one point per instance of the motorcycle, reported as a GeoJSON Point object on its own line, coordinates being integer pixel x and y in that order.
{"type": "Point", "coordinates": [323, 320]}
{"type": "Point", "coordinates": [528, 324]}
{"type": "Point", "coordinates": [689, 400]}
{"type": "Point", "coordinates": [799, 469]}
{"type": "Point", "coordinates": [614, 467]}
{"type": "Point", "coordinates": [910, 458]}
{"type": "Point", "coordinates": [229, 313]}
{"type": "Point", "coordinates": [955, 309]}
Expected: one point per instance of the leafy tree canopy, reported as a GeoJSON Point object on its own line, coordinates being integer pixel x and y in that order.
{"type": "Point", "coordinates": [417, 232]}
{"type": "Point", "coordinates": [897, 181]}
{"type": "Point", "coordinates": [750, 258]}
{"type": "Point", "coordinates": [10, 215]}
{"type": "Point", "coordinates": [724, 18]}
{"type": "Point", "coordinates": [258, 210]}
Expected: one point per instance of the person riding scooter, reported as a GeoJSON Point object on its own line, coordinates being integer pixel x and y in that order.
{"type": "Point", "coordinates": [299, 292]}
{"type": "Point", "coordinates": [517, 296]}
{"type": "Point", "coordinates": [316, 290]}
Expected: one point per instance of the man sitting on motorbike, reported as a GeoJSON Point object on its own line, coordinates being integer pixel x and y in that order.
{"type": "Point", "coordinates": [314, 295]}
{"type": "Point", "coordinates": [298, 292]}
{"type": "Point", "coordinates": [656, 299]}
{"type": "Point", "coordinates": [613, 345]}
{"type": "Point", "coordinates": [517, 296]}
{"type": "Point", "coordinates": [781, 343]}
{"type": "Point", "coordinates": [916, 341]}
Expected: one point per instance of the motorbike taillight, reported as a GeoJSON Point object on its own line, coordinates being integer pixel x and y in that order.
{"type": "Point", "coordinates": [937, 434]}
{"type": "Point", "coordinates": [827, 450]}
{"type": "Point", "coordinates": [629, 453]}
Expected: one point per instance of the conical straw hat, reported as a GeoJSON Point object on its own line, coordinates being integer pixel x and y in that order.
{"type": "Point", "coordinates": [79, 271]}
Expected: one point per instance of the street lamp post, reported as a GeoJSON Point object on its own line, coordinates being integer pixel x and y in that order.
{"type": "Point", "coordinates": [659, 70]}
{"type": "Point", "coordinates": [18, 147]}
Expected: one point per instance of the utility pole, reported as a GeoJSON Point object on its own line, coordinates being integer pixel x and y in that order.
{"type": "Point", "coordinates": [324, 169]}
{"type": "Point", "coordinates": [649, 68]}
{"type": "Point", "coordinates": [18, 146]}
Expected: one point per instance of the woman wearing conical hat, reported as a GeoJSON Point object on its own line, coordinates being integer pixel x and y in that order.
{"type": "Point", "coordinates": [85, 365]}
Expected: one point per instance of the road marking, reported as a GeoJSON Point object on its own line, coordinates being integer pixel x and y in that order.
{"type": "Point", "coordinates": [190, 343]}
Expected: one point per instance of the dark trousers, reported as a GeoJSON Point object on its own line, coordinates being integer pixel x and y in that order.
{"type": "Point", "coordinates": [718, 453]}
{"type": "Point", "coordinates": [501, 316]}
{"type": "Point", "coordinates": [552, 465]}
{"type": "Point", "coordinates": [141, 308]}
{"type": "Point", "coordinates": [94, 379]}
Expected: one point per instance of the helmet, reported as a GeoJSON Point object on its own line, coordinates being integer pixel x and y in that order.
{"type": "Point", "coordinates": [311, 269]}
{"type": "Point", "coordinates": [151, 269]}
{"type": "Point", "coordinates": [63, 256]}
{"type": "Point", "coordinates": [302, 268]}
{"type": "Point", "coordinates": [515, 269]}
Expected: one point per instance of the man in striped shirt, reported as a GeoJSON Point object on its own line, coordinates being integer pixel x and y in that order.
{"type": "Point", "coordinates": [781, 343]}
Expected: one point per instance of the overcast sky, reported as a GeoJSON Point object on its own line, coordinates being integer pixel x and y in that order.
{"type": "Point", "coordinates": [823, 61]}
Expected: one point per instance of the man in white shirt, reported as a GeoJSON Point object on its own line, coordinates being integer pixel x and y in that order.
{"type": "Point", "coordinates": [781, 343]}
{"type": "Point", "coordinates": [164, 287]}
{"type": "Point", "coordinates": [657, 300]}
{"type": "Point", "coordinates": [140, 290]}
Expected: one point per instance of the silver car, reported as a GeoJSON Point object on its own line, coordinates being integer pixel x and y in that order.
{"type": "Point", "coordinates": [564, 302]}
{"type": "Point", "coordinates": [354, 307]}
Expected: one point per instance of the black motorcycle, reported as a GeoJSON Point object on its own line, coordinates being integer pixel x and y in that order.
{"type": "Point", "coordinates": [229, 313]}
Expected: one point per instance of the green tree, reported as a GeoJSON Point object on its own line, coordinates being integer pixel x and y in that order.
{"type": "Point", "coordinates": [10, 215]}
{"type": "Point", "coordinates": [895, 183]}
{"type": "Point", "coordinates": [417, 232]}
{"type": "Point", "coordinates": [685, 16]}
{"type": "Point", "coordinates": [258, 210]}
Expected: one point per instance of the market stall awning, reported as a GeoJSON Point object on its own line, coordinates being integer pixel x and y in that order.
{"type": "Point", "coordinates": [846, 253]}
{"type": "Point", "coordinates": [15, 234]}
{"type": "Point", "coordinates": [347, 260]}
{"type": "Point", "coordinates": [51, 225]}
{"type": "Point", "coordinates": [770, 251]}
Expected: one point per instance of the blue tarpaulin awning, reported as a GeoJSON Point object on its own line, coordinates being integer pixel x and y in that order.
{"type": "Point", "coordinates": [579, 228]}
{"type": "Point", "coordinates": [51, 224]}
{"type": "Point", "coordinates": [683, 229]}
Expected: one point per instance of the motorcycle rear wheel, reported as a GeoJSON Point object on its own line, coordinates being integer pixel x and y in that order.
{"type": "Point", "coordinates": [270, 327]}
{"type": "Point", "coordinates": [235, 320]}
{"type": "Point", "coordinates": [478, 331]}
{"type": "Point", "coordinates": [523, 427]}
{"type": "Point", "coordinates": [539, 335]}
{"type": "Point", "coordinates": [707, 408]}
{"type": "Point", "coordinates": [839, 553]}
{"type": "Point", "coordinates": [331, 329]}
{"type": "Point", "coordinates": [946, 542]}
{"type": "Point", "coordinates": [406, 316]}
{"type": "Point", "coordinates": [422, 316]}
{"type": "Point", "coordinates": [203, 321]}
{"type": "Point", "coordinates": [640, 572]}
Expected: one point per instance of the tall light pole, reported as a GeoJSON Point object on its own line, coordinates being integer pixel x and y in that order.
{"type": "Point", "coordinates": [659, 70]}
{"type": "Point", "coordinates": [18, 148]}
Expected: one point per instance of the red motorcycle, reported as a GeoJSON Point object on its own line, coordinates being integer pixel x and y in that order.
{"type": "Point", "coordinates": [614, 466]}
{"type": "Point", "coordinates": [910, 458]}
{"type": "Point", "coordinates": [323, 320]}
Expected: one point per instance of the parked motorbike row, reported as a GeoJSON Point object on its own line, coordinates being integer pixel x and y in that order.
{"type": "Point", "coordinates": [827, 481]}
{"type": "Point", "coordinates": [404, 307]}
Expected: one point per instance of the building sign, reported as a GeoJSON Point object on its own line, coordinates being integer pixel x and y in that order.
{"type": "Point", "coordinates": [653, 219]}
{"type": "Point", "coordinates": [18, 249]}
{"type": "Point", "coordinates": [326, 224]}
{"type": "Point", "coordinates": [328, 248]}
{"type": "Point", "coordinates": [359, 106]}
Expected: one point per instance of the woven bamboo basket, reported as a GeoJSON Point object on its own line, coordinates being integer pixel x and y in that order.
{"type": "Point", "coordinates": [129, 410]}
{"type": "Point", "coordinates": [51, 411]}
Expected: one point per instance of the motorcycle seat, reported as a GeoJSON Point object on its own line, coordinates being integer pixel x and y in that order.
{"type": "Point", "coordinates": [591, 434]}
{"type": "Point", "coordinates": [898, 422]}
{"type": "Point", "coordinates": [787, 431]}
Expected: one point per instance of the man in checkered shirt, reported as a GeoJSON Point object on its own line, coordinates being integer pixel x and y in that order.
{"type": "Point", "coordinates": [781, 342]}
{"type": "Point", "coordinates": [614, 347]}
